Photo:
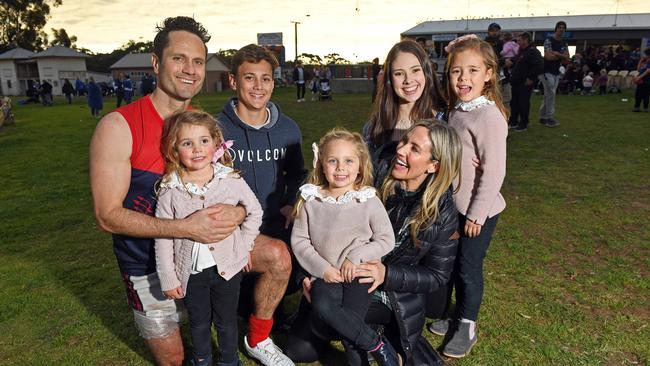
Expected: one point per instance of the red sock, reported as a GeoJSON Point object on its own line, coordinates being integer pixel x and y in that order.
{"type": "Point", "coordinates": [258, 330]}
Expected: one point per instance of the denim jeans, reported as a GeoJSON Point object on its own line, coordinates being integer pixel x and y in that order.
{"type": "Point", "coordinates": [550, 82]}
{"type": "Point", "coordinates": [212, 299]}
{"type": "Point", "coordinates": [467, 276]}
{"type": "Point", "coordinates": [343, 307]}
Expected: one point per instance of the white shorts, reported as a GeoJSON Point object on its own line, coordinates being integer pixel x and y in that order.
{"type": "Point", "coordinates": [155, 316]}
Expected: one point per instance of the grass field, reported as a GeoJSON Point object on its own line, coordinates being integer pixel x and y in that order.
{"type": "Point", "coordinates": [567, 275]}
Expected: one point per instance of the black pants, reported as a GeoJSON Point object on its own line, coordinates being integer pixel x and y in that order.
{"type": "Point", "coordinates": [300, 91]}
{"type": "Point", "coordinates": [343, 306]}
{"type": "Point", "coordinates": [212, 299]}
{"type": "Point", "coordinates": [309, 336]}
{"type": "Point", "coordinates": [520, 105]}
{"type": "Point", "coordinates": [602, 90]}
{"type": "Point", "coordinates": [69, 98]}
{"type": "Point", "coordinates": [120, 97]}
{"type": "Point", "coordinates": [467, 276]}
{"type": "Point", "coordinates": [642, 94]}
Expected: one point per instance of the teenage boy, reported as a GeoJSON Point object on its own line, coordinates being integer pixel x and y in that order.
{"type": "Point", "coordinates": [556, 51]}
{"type": "Point", "coordinates": [126, 162]}
{"type": "Point", "coordinates": [267, 150]}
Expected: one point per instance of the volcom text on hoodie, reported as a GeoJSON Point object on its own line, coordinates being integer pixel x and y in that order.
{"type": "Point", "coordinates": [270, 160]}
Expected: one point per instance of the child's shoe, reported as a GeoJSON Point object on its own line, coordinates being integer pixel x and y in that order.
{"type": "Point", "coordinates": [462, 341]}
{"type": "Point", "coordinates": [439, 326]}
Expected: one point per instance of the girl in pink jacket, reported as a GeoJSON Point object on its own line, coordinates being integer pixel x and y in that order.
{"type": "Point", "coordinates": [207, 276]}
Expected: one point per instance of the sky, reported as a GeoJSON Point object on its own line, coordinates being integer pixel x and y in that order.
{"type": "Point", "coordinates": [358, 30]}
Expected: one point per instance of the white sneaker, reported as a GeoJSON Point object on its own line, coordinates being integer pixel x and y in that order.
{"type": "Point", "coordinates": [268, 353]}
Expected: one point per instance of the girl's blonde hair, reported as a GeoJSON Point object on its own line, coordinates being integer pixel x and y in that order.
{"type": "Point", "coordinates": [317, 175]}
{"type": "Point", "coordinates": [171, 130]}
{"type": "Point", "coordinates": [491, 90]}
{"type": "Point", "coordinates": [446, 149]}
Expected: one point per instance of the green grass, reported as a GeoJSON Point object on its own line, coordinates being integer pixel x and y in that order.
{"type": "Point", "coordinates": [567, 275]}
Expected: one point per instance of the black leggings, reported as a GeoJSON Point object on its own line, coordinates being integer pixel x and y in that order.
{"type": "Point", "coordinates": [309, 337]}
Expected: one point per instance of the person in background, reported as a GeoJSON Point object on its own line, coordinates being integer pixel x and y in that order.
{"type": "Point", "coordinates": [300, 77]}
{"type": "Point", "coordinates": [527, 66]}
{"type": "Point", "coordinates": [68, 90]}
{"type": "Point", "coordinates": [128, 88]}
{"type": "Point", "coordinates": [587, 83]}
{"type": "Point", "coordinates": [556, 51]}
{"type": "Point", "coordinates": [95, 100]}
{"type": "Point", "coordinates": [602, 82]}
{"type": "Point", "coordinates": [642, 81]}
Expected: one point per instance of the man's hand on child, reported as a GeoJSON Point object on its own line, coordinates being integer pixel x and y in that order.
{"type": "Point", "coordinates": [332, 275]}
{"type": "Point", "coordinates": [175, 293]}
{"type": "Point", "coordinates": [287, 211]}
{"type": "Point", "coordinates": [347, 270]}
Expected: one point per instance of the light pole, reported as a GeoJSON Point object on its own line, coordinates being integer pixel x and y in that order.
{"type": "Point", "coordinates": [295, 36]}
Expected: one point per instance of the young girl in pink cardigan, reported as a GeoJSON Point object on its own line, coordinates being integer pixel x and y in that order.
{"type": "Point", "coordinates": [341, 223]}
{"type": "Point", "coordinates": [480, 119]}
{"type": "Point", "coordinates": [207, 276]}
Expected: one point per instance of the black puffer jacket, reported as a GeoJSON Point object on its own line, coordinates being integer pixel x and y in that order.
{"type": "Point", "coordinates": [413, 271]}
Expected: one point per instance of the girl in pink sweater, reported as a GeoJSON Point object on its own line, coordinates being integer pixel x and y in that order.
{"type": "Point", "coordinates": [199, 174]}
{"type": "Point", "coordinates": [480, 119]}
{"type": "Point", "coordinates": [340, 223]}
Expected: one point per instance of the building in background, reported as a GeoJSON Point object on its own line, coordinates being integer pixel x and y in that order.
{"type": "Point", "coordinates": [630, 31]}
{"type": "Point", "coordinates": [19, 68]}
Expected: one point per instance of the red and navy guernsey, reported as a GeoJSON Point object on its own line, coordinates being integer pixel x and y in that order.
{"type": "Point", "coordinates": [135, 256]}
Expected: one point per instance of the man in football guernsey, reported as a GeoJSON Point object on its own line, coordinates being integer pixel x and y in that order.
{"type": "Point", "coordinates": [125, 163]}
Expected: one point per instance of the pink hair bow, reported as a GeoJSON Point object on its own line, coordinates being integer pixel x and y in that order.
{"type": "Point", "coordinates": [452, 44]}
{"type": "Point", "coordinates": [221, 150]}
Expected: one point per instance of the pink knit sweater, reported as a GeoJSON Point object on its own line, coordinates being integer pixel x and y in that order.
{"type": "Point", "coordinates": [328, 231]}
{"type": "Point", "coordinates": [174, 256]}
{"type": "Point", "coordinates": [483, 131]}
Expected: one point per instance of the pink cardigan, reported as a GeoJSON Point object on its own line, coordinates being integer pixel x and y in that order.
{"type": "Point", "coordinates": [483, 131]}
{"type": "Point", "coordinates": [174, 256]}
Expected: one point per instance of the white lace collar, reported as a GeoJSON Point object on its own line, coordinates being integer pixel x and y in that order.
{"type": "Point", "coordinates": [310, 191]}
{"type": "Point", "coordinates": [174, 180]}
{"type": "Point", "coordinates": [474, 104]}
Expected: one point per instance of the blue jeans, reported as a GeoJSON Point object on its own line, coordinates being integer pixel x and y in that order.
{"type": "Point", "coordinates": [468, 269]}
{"type": "Point", "coordinates": [550, 82]}
{"type": "Point", "coordinates": [212, 299]}
{"type": "Point", "coordinates": [343, 307]}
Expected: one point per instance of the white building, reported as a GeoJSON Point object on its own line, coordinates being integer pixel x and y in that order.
{"type": "Point", "coordinates": [628, 30]}
{"type": "Point", "coordinates": [19, 68]}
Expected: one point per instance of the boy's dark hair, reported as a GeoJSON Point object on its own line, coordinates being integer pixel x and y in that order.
{"type": "Point", "coordinates": [558, 24]}
{"type": "Point", "coordinates": [525, 35]}
{"type": "Point", "coordinates": [187, 24]}
{"type": "Point", "coordinates": [252, 53]}
{"type": "Point", "coordinates": [647, 51]}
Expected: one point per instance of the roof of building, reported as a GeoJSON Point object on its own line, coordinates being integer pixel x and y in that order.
{"type": "Point", "coordinates": [143, 60]}
{"type": "Point", "coordinates": [133, 60]}
{"type": "Point", "coordinates": [60, 51]}
{"type": "Point", "coordinates": [545, 23]}
{"type": "Point", "coordinates": [17, 54]}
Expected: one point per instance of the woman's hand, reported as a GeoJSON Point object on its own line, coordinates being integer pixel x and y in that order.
{"type": "Point", "coordinates": [175, 293]}
{"type": "Point", "coordinates": [306, 289]}
{"type": "Point", "coordinates": [347, 270]}
{"type": "Point", "coordinates": [332, 275]}
{"type": "Point", "coordinates": [472, 229]}
{"type": "Point", "coordinates": [372, 272]}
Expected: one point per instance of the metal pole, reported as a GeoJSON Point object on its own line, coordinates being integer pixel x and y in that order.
{"type": "Point", "coordinates": [295, 38]}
